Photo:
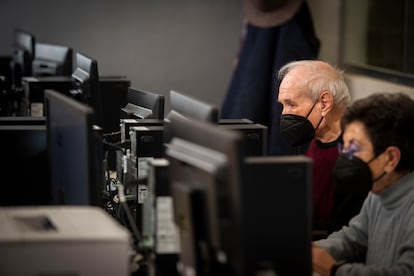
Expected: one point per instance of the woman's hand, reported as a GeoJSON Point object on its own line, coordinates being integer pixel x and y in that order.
{"type": "Point", "coordinates": [322, 261]}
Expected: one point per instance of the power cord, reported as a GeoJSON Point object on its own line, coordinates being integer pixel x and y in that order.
{"type": "Point", "coordinates": [131, 221]}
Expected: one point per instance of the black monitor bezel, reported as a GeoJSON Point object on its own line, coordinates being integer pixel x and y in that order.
{"type": "Point", "coordinates": [24, 40]}
{"type": "Point", "coordinates": [78, 127]}
{"type": "Point", "coordinates": [23, 51]}
{"type": "Point", "coordinates": [85, 79]}
{"type": "Point", "coordinates": [24, 164]}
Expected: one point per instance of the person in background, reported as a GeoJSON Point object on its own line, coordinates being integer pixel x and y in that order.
{"type": "Point", "coordinates": [274, 33]}
{"type": "Point", "coordinates": [314, 97]}
{"type": "Point", "coordinates": [379, 150]}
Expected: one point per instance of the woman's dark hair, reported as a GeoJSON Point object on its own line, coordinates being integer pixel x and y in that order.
{"type": "Point", "coordinates": [389, 121]}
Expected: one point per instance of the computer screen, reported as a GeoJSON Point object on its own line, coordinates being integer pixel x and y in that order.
{"type": "Point", "coordinates": [4, 97]}
{"type": "Point", "coordinates": [254, 135]}
{"type": "Point", "coordinates": [143, 105]}
{"type": "Point", "coordinates": [198, 190]}
{"type": "Point", "coordinates": [256, 212]}
{"type": "Point", "coordinates": [23, 163]}
{"type": "Point", "coordinates": [25, 40]}
{"type": "Point", "coordinates": [74, 168]}
{"type": "Point", "coordinates": [276, 211]}
{"type": "Point", "coordinates": [52, 60]}
{"type": "Point", "coordinates": [86, 83]}
{"type": "Point", "coordinates": [23, 51]}
{"type": "Point", "coordinates": [206, 160]}
{"type": "Point", "coordinates": [193, 108]}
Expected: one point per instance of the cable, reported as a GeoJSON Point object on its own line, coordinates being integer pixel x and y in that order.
{"type": "Point", "coordinates": [119, 145]}
{"type": "Point", "coordinates": [111, 134]}
{"type": "Point", "coordinates": [125, 207]}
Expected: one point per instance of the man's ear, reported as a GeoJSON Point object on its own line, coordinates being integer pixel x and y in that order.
{"type": "Point", "coordinates": [327, 102]}
{"type": "Point", "coordinates": [394, 156]}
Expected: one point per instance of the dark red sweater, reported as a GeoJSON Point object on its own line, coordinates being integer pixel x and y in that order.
{"type": "Point", "coordinates": [324, 157]}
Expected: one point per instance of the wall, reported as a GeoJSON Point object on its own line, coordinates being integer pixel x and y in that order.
{"type": "Point", "coordinates": [327, 15]}
{"type": "Point", "coordinates": [362, 86]}
{"type": "Point", "coordinates": [186, 45]}
{"type": "Point", "coordinates": [326, 18]}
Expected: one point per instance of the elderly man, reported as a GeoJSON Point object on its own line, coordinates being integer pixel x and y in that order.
{"type": "Point", "coordinates": [314, 97]}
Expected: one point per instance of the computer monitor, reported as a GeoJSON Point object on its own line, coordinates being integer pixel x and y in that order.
{"type": "Point", "coordinates": [254, 135]}
{"type": "Point", "coordinates": [4, 98]}
{"type": "Point", "coordinates": [23, 51]}
{"type": "Point", "coordinates": [24, 164]}
{"type": "Point", "coordinates": [276, 211]}
{"type": "Point", "coordinates": [255, 212]}
{"type": "Point", "coordinates": [74, 167]}
{"type": "Point", "coordinates": [52, 60]}
{"type": "Point", "coordinates": [143, 105]}
{"type": "Point", "coordinates": [206, 160]}
{"type": "Point", "coordinates": [86, 85]}
{"type": "Point", "coordinates": [193, 108]}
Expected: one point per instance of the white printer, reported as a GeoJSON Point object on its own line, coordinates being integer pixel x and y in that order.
{"type": "Point", "coordinates": [62, 240]}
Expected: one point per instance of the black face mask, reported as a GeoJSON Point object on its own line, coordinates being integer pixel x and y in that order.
{"type": "Point", "coordinates": [297, 130]}
{"type": "Point", "coordinates": [352, 176]}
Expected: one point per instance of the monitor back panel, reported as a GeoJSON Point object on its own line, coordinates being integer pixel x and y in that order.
{"type": "Point", "coordinates": [276, 215]}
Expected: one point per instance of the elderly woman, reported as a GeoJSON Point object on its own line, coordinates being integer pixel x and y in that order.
{"type": "Point", "coordinates": [378, 150]}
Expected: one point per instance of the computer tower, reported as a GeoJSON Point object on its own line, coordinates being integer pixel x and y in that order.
{"type": "Point", "coordinates": [146, 144]}
{"type": "Point", "coordinates": [158, 227]}
{"type": "Point", "coordinates": [126, 124]}
{"type": "Point", "coordinates": [114, 91]}
{"type": "Point", "coordinates": [34, 91]}
{"type": "Point", "coordinates": [254, 137]}
{"type": "Point", "coordinates": [147, 141]}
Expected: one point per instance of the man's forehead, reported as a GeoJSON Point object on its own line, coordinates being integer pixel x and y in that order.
{"type": "Point", "coordinates": [294, 94]}
{"type": "Point", "coordinates": [294, 81]}
{"type": "Point", "coordinates": [296, 77]}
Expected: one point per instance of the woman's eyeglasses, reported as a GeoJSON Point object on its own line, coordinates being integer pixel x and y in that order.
{"type": "Point", "coordinates": [350, 150]}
